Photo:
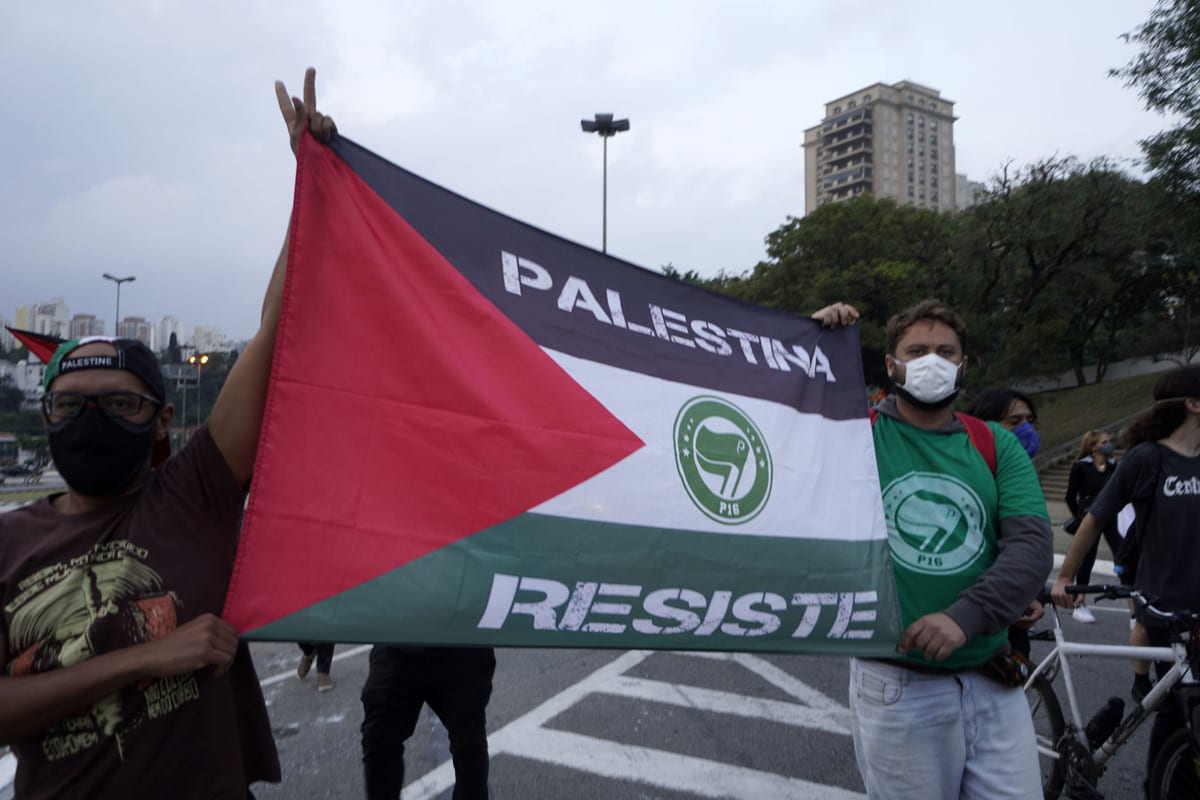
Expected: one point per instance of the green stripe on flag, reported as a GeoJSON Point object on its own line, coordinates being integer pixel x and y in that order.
{"type": "Point", "coordinates": [545, 581]}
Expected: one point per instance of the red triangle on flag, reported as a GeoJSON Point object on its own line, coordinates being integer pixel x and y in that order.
{"type": "Point", "coordinates": [40, 344]}
{"type": "Point", "coordinates": [405, 411]}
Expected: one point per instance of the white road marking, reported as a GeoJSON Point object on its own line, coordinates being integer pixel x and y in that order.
{"type": "Point", "coordinates": [1101, 567]}
{"type": "Point", "coordinates": [527, 737]}
{"type": "Point", "coordinates": [780, 680]}
{"type": "Point", "coordinates": [727, 703]}
{"type": "Point", "coordinates": [659, 768]}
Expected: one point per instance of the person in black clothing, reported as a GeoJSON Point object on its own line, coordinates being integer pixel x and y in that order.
{"type": "Point", "coordinates": [456, 682]}
{"type": "Point", "coordinates": [1093, 466]}
{"type": "Point", "coordinates": [1160, 476]}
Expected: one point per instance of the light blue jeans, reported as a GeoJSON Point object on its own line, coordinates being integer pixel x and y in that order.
{"type": "Point", "coordinates": [941, 737]}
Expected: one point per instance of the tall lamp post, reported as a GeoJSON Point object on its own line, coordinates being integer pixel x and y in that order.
{"type": "Point", "coordinates": [199, 361]}
{"type": "Point", "coordinates": [118, 282]}
{"type": "Point", "coordinates": [606, 127]}
{"type": "Point", "coordinates": [181, 384]}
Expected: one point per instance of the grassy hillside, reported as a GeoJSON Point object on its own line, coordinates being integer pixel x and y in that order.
{"type": "Point", "coordinates": [1067, 413]}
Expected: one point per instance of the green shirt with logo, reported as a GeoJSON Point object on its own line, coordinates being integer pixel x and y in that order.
{"type": "Point", "coordinates": [943, 508]}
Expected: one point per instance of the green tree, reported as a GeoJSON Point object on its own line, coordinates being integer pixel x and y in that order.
{"type": "Point", "coordinates": [10, 396]}
{"type": "Point", "coordinates": [18, 353]}
{"type": "Point", "coordinates": [1048, 253]}
{"type": "Point", "coordinates": [1164, 73]}
{"type": "Point", "coordinates": [875, 253]}
{"type": "Point", "coordinates": [1172, 333]}
{"type": "Point", "coordinates": [173, 354]}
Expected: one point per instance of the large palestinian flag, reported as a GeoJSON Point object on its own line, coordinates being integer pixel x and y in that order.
{"type": "Point", "coordinates": [480, 433]}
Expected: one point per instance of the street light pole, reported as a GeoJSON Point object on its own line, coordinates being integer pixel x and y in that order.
{"type": "Point", "coordinates": [180, 383]}
{"type": "Point", "coordinates": [118, 282]}
{"type": "Point", "coordinates": [199, 361]}
{"type": "Point", "coordinates": [606, 127]}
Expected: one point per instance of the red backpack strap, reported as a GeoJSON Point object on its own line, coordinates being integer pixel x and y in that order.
{"type": "Point", "coordinates": [982, 439]}
{"type": "Point", "coordinates": [981, 436]}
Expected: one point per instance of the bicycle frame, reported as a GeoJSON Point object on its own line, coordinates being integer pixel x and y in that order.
{"type": "Point", "coordinates": [1057, 661]}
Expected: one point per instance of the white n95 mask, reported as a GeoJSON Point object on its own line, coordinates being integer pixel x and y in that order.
{"type": "Point", "coordinates": [930, 378]}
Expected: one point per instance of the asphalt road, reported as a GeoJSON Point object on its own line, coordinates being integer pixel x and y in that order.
{"type": "Point", "coordinates": [619, 724]}
{"type": "Point", "coordinates": [608, 724]}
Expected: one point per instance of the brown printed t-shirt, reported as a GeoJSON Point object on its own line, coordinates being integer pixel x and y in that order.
{"type": "Point", "coordinates": [77, 585]}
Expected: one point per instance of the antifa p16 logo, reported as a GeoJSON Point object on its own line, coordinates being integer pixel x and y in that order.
{"type": "Point", "coordinates": [935, 522]}
{"type": "Point", "coordinates": [722, 460]}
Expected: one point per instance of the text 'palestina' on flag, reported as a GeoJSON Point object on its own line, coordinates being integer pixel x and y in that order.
{"type": "Point", "coordinates": [664, 323]}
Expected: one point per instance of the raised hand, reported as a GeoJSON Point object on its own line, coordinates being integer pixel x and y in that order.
{"type": "Point", "coordinates": [832, 316]}
{"type": "Point", "coordinates": [298, 113]}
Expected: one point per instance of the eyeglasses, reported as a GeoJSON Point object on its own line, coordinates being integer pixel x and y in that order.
{"type": "Point", "coordinates": [60, 406]}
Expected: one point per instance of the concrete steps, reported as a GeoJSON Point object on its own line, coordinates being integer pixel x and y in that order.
{"type": "Point", "coordinates": [1054, 481]}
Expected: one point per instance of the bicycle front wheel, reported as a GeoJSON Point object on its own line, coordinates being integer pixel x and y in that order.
{"type": "Point", "coordinates": [1176, 773]}
{"type": "Point", "coordinates": [1048, 726]}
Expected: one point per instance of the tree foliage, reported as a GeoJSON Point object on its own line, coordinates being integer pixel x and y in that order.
{"type": "Point", "coordinates": [1056, 265]}
{"type": "Point", "coordinates": [173, 354]}
{"type": "Point", "coordinates": [18, 353]}
{"type": "Point", "coordinates": [1165, 73]}
{"type": "Point", "coordinates": [10, 396]}
{"type": "Point", "coordinates": [1062, 265]}
{"type": "Point", "coordinates": [881, 254]}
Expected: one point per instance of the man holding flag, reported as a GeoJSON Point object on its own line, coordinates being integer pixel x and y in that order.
{"type": "Point", "coordinates": [119, 679]}
{"type": "Point", "coordinates": [971, 545]}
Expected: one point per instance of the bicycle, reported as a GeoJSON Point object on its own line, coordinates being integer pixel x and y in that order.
{"type": "Point", "coordinates": [1073, 761]}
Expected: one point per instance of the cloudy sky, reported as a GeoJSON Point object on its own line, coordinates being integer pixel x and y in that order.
{"type": "Point", "coordinates": [143, 137]}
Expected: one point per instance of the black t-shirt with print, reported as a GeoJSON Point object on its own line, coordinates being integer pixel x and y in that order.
{"type": "Point", "coordinates": [1164, 488]}
{"type": "Point", "coordinates": [77, 585]}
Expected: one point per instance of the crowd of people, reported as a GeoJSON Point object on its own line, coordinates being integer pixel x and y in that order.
{"type": "Point", "coordinates": [119, 673]}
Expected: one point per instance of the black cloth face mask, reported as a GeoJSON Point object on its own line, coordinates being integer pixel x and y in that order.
{"type": "Point", "coordinates": [99, 456]}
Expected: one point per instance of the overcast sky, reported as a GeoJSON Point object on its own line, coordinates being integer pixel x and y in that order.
{"type": "Point", "coordinates": [143, 138]}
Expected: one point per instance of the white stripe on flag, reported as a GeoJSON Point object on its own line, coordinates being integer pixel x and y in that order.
{"type": "Point", "coordinates": [824, 483]}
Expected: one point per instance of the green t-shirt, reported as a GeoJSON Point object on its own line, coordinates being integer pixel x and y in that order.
{"type": "Point", "coordinates": [943, 508]}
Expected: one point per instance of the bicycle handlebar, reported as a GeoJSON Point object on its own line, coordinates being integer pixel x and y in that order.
{"type": "Point", "coordinates": [1107, 591]}
{"type": "Point", "coordinates": [1113, 592]}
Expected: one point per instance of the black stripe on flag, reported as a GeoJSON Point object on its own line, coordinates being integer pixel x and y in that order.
{"type": "Point", "coordinates": [576, 300]}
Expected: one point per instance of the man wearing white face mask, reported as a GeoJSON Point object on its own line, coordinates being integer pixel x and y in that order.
{"type": "Point", "coordinates": [971, 543]}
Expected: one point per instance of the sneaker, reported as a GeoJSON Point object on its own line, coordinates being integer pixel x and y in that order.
{"type": "Point", "coordinates": [306, 663]}
{"type": "Point", "coordinates": [1141, 687]}
{"type": "Point", "coordinates": [324, 682]}
{"type": "Point", "coordinates": [1083, 614]}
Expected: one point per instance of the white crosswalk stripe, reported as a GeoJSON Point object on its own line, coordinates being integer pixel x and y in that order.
{"type": "Point", "coordinates": [528, 737]}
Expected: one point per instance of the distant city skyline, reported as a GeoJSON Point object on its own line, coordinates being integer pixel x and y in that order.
{"type": "Point", "coordinates": [186, 179]}
{"type": "Point", "coordinates": [54, 318]}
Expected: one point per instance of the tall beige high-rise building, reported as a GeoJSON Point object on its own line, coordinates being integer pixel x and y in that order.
{"type": "Point", "coordinates": [890, 141]}
{"type": "Point", "coordinates": [135, 328]}
{"type": "Point", "coordinates": [86, 325]}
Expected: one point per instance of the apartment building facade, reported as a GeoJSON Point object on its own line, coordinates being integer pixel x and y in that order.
{"type": "Point", "coordinates": [892, 141]}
